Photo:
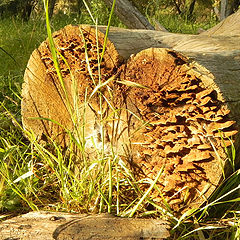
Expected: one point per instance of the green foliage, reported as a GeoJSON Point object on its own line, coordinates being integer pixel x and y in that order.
{"type": "Point", "coordinates": [19, 8]}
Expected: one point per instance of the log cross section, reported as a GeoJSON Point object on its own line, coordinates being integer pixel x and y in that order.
{"type": "Point", "coordinates": [167, 109]}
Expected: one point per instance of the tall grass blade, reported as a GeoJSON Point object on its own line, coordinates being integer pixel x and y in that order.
{"type": "Point", "coordinates": [108, 28]}
{"type": "Point", "coordinates": [136, 207]}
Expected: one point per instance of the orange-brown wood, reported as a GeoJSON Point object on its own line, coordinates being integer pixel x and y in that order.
{"type": "Point", "coordinates": [181, 116]}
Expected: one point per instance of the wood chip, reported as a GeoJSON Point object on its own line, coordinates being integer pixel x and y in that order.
{"type": "Point", "coordinates": [147, 151]}
{"type": "Point", "coordinates": [204, 147]}
{"type": "Point", "coordinates": [212, 116]}
{"type": "Point", "coordinates": [160, 142]}
{"type": "Point", "coordinates": [205, 109]}
{"type": "Point", "coordinates": [176, 148]}
{"type": "Point", "coordinates": [185, 167]}
{"type": "Point", "coordinates": [177, 177]}
{"type": "Point", "coordinates": [185, 96]}
{"type": "Point", "coordinates": [169, 137]}
{"type": "Point", "coordinates": [195, 129]}
{"type": "Point", "coordinates": [205, 101]}
{"type": "Point", "coordinates": [168, 129]}
{"type": "Point", "coordinates": [170, 184]}
{"type": "Point", "coordinates": [197, 155]}
{"type": "Point", "coordinates": [194, 140]}
{"type": "Point", "coordinates": [191, 88]}
{"type": "Point", "coordinates": [226, 143]}
{"type": "Point", "coordinates": [199, 116]}
{"type": "Point", "coordinates": [172, 96]}
{"type": "Point", "coordinates": [161, 121]}
{"type": "Point", "coordinates": [223, 111]}
{"type": "Point", "coordinates": [226, 134]}
{"type": "Point", "coordinates": [214, 126]}
{"type": "Point", "coordinates": [204, 93]}
{"type": "Point", "coordinates": [172, 119]}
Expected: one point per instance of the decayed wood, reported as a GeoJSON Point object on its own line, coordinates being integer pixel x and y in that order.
{"type": "Point", "coordinates": [130, 15]}
{"type": "Point", "coordinates": [44, 95]}
{"type": "Point", "coordinates": [64, 226]}
{"type": "Point", "coordinates": [186, 126]}
{"type": "Point", "coordinates": [188, 99]}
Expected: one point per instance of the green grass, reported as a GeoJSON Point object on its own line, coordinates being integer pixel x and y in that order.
{"type": "Point", "coordinates": [179, 24]}
{"type": "Point", "coordinates": [47, 177]}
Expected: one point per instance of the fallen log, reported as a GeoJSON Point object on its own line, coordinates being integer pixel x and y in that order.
{"type": "Point", "coordinates": [181, 113]}
{"type": "Point", "coordinates": [45, 97]}
{"type": "Point", "coordinates": [57, 226]}
{"type": "Point", "coordinates": [227, 27]}
{"type": "Point", "coordinates": [187, 125]}
{"type": "Point", "coordinates": [130, 15]}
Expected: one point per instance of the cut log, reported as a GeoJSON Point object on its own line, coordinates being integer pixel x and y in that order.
{"type": "Point", "coordinates": [130, 15]}
{"type": "Point", "coordinates": [182, 118]}
{"type": "Point", "coordinates": [44, 97]}
{"type": "Point", "coordinates": [64, 226]}
{"type": "Point", "coordinates": [186, 124]}
{"type": "Point", "coordinates": [228, 27]}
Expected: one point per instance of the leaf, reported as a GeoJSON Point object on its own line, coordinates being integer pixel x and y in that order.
{"type": "Point", "coordinates": [146, 193]}
{"type": "Point", "coordinates": [200, 229]}
{"type": "Point", "coordinates": [131, 84]}
{"type": "Point", "coordinates": [24, 176]}
{"type": "Point", "coordinates": [185, 215]}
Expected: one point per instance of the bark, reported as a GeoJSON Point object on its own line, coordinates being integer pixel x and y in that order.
{"type": "Point", "coordinates": [191, 8]}
{"type": "Point", "coordinates": [177, 7]}
{"type": "Point", "coordinates": [223, 9]}
{"type": "Point", "coordinates": [51, 7]}
{"type": "Point", "coordinates": [173, 122]}
{"type": "Point", "coordinates": [64, 226]}
{"type": "Point", "coordinates": [130, 15]}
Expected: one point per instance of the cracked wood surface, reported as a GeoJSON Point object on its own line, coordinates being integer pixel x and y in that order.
{"type": "Point", "coordinates": [190, 96]}
{"type": "Point", "coordinates": [130, 15]}
{"type": "Point", "coordinates": [66, 226]}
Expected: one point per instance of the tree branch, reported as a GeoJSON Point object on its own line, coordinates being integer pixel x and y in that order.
{"type": "Point", "coordinates": [130, 15]}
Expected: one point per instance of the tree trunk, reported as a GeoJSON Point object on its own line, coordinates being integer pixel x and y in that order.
{"type": "Point", "coordinates": [26, 9]}
{"type": "Point", "coordinates": [191, 9]}
{"type": "Point", "coordinates": [182, 118]}
{"type": "Point", "coordinates": [51, 7]}
{"type": "Point", "coordinates": [129, 15]}
{"type": "Point", "coordinates": [64, 226]}
{"type": "Point", "coordinates": [177, 7]}
{"type": "Point", "coordinates": [223, 9]}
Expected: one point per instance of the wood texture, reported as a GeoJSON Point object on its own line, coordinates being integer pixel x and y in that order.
{"type": "Point", "coordinates": [44, 97]}
{"type": "Point", "coordinates": [64, 226]}
{"type": "Point", "coordinates": [227, 27]}
{"type": "Point", "coordinates": [182, 112]}
{"type": "Point", "coordinates": [189, 97]}
{"type": "Point", "coordinates": [130, 15]}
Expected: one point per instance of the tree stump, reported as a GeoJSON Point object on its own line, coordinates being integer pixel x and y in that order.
{"type": "Point", "coordinates": [65, 226]}
{"type": "Point", "coordinates": [175, 110]}
{"type": "Point", "coordinates": [186, 126]}
{"type": "Point", "coordinates": [44, 97]}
